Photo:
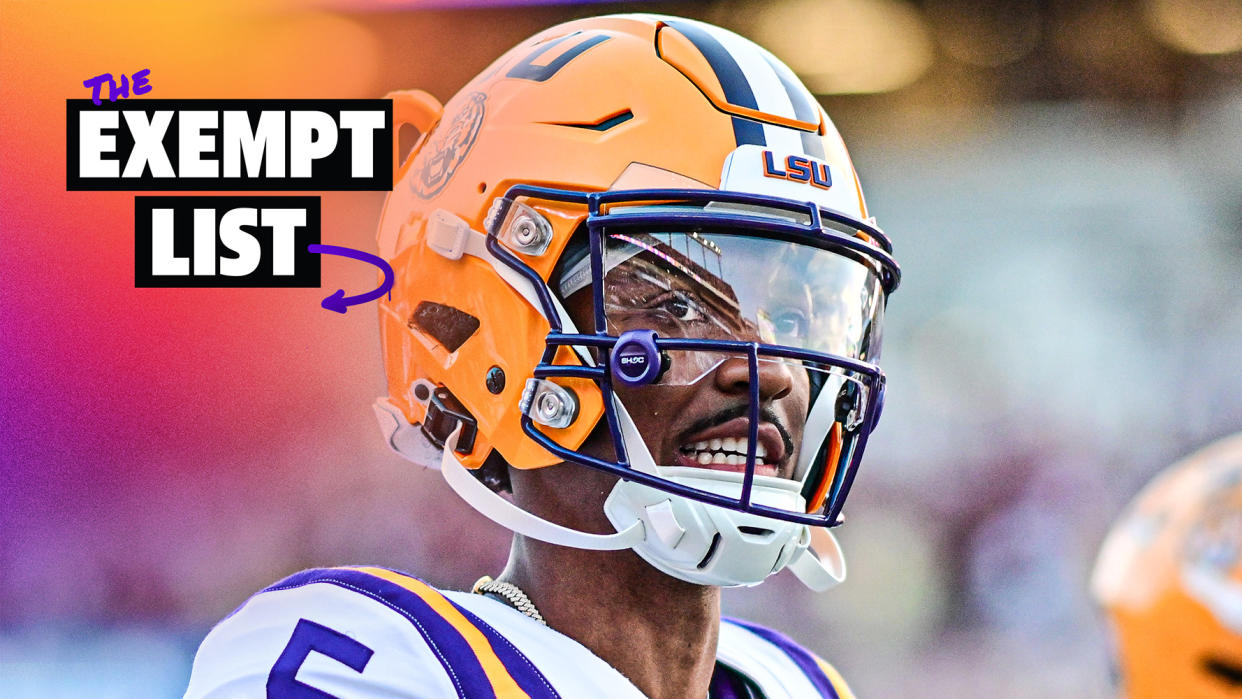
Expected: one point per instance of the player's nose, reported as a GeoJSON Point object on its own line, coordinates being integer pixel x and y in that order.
{"type": "Point", "coordinates": [774, 377]}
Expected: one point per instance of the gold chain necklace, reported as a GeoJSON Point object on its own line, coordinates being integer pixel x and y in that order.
{"type": "Point", "coordinates": [510, 593]}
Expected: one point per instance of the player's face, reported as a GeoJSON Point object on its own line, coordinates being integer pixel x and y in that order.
{"type": "Point", "coordinates": [706, 424]}
{"type": "Point", "coordinates": [723, 288]}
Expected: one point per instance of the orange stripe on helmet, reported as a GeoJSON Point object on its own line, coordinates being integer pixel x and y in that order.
{"type": "Point", "coordinates": [679, 52]}
{"type": "Point", "coordinates": [830, 468]}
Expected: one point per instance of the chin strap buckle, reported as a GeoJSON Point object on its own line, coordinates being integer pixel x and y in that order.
{"type": "Point", "coordinates": [819, 564]}
{"type": "Point", "coordinates": [444, 414]}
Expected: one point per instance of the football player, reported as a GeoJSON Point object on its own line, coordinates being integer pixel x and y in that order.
{"type": "Point", "coordinates": [636, 321]}
{"type": "Point", "coordinates": [1169, 577]}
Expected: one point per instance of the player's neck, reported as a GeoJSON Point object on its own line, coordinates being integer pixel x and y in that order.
{"type": "Point", "coordinates": [658, 631]}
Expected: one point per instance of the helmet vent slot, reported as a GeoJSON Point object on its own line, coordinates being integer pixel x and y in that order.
{"type": "Point", "coordinates": [756, 531]}
{"type": "Point", "coordinates": [450, 326]}
{"type": "Point", "coordinates": [604, 124]}
{"type": "Point", "coordinates": [711, 551]}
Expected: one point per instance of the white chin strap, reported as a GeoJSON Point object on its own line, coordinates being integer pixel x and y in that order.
{"type": "Point", "coordinates": [514, 518]}
{"type": "Point", "coordinates": [710, 545]}
{"type": "Point", "coordinates": [821, 565]}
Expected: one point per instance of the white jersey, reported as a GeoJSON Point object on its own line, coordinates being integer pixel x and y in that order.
{"type": "Point", "coordinates": [373, 632]}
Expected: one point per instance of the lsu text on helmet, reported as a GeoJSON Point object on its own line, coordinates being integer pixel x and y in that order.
{"type": "Point", "coordinates": [637, 243]}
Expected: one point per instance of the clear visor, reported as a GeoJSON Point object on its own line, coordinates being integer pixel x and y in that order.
{"type": "Point", "coordinates": [697, 287]}
{"type": "Point", "coordinates": [739, 288]}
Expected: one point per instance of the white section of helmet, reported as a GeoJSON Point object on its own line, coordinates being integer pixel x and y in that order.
{"type": "Point", "coordinates": [1216, 592]}
{"type": "Point", "coordinates": [790, 174]}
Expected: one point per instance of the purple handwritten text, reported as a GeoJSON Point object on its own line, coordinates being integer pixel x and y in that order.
{"type": "Point", "coordinates": [141, 86]}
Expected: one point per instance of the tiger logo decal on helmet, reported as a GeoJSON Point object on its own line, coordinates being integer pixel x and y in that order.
{"type": "Point", "coordinates": [449, 148]}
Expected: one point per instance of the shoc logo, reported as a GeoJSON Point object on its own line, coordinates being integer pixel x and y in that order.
{"type": "Point", "coordinates": [798, 168]}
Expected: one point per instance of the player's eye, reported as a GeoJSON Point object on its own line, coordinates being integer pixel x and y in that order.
{"type": "Point", "coordinates": [679, 305]}
{"type": "Point", "coordinates": [790, 322]}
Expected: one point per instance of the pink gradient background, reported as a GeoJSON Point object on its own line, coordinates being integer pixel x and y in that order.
{"type": "Point", "coordinates": [168, 451]}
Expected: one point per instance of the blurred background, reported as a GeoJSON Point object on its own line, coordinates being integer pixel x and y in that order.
{"type": "Point", "coordinates": [1062, 182]}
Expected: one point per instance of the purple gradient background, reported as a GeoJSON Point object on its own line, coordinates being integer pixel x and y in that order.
{"type": "Point", "coordinates": [167, 451]}
{"type": "Point", "coordinates": [1068, 324]}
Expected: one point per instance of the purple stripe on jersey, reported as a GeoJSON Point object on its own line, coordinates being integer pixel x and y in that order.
{"type": "Point", "coordinates": [454, 653]}
{"type": "Point", "coordinates": [801, 656]}
{"type": "Point", "coordinates": [519, 666]}
{"type": "Point", "coordinates": [723, 685]}
{"type": "Point", "coordinates": [458, 658]}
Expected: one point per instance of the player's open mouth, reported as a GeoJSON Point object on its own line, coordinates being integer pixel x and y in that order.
{"type": "Point", "coordinates": [724, 447]}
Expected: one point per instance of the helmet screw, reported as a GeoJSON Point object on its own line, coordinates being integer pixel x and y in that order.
{"type": "Point", "coordinates": [550, 406]}
{"type": "Point", "coordinates": [495, 380]}
{"type": "Point", "coordinates": [525, 232]}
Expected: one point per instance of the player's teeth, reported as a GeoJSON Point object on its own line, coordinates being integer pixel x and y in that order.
{"type": "Point", "coordinates": [719, 458]}
{"type": "Point", "coordinates": [700, 446]}
{"type": "Point", "coordinates": [716, 444]}
{"type": "Point", "coordinates": [760, 452]}
{"type": "Point", "coordinates": [705, 457]}
{"type": "Point", "coordinates": [743, 444]}
{"type": "Point", "coordinates": [728, 444]}
{"type": "Point", "coordinates": [734, 459]}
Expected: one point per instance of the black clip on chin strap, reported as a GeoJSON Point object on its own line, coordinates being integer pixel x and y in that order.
{"type": "Point", "coordinates": [444, 413]}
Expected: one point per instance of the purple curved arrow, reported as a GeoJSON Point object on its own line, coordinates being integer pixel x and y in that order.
{"type": "Point", "coordinates": [338, 301]}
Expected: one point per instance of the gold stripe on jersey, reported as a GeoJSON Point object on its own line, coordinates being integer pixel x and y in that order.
{"type": "Point", "coordinates": [502, 682]}
{"type": "Point", "coordinates": [838, 682]}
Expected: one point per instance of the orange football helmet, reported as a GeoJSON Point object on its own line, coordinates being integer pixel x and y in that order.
{"type": "Point", "coordinates": [1169, 576]}
{"type": "Point", "coordinates": [614, 157]}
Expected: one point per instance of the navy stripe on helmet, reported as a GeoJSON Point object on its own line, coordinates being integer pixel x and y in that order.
{"type": "Point", "coordinates": [805, 108]}
{"type": "Point", "coordinates": [748, 131]}
{"type": "Point", "coordinates": [736, 88]}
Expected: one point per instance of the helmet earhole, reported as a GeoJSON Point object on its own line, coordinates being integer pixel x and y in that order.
{"type": "Point", "coordinates": [421, 392]}
{"type": "Point", "coordinates": [495, 380]}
